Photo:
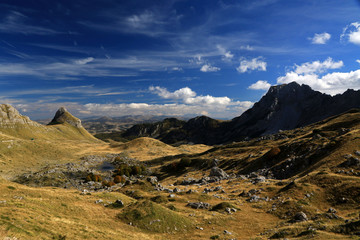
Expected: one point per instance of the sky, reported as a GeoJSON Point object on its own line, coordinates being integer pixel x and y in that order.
{"type": "Point", "coordinates": [171, 57]}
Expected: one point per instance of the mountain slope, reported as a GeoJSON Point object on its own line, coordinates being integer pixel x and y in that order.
{"type": "Point", "coordinates": [284, 107]}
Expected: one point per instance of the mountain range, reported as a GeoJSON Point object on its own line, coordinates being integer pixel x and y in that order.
{"type": "Point", "coordinates": [283, 107]}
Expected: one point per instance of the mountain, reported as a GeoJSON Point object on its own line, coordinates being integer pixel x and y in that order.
{"type": "Point", "coordinates": [115, 124]}
{"type": "Point", "coordinates": [283, 107]}
{"type": "Point", "coordinates": [63, 126]}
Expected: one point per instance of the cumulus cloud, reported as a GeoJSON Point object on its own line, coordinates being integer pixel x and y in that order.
{"type": "Point", "coordinates": [351, 33]}
{"type": "Point", "coordinates": [260, 85]}
{"type": "Point", "coordinates": [358, 61]}
{"type": "Point", "coordinates": [182, 93]}
{"type": "Point", "coordinates": [188, 96]}
{"type": "Point", "coordinates": [209, 68]}
{"type": "Point", "coordinates": [315, 75]}
{"type": "Point", "coordinates": [317, 66]}
{"type": "Point", "coordinates": [253, 64]}
{"type": "Point", "coordinates": [320, 38]}
{"type": "Point", "coordinates": [190, 102]}
{"type": "Point", "coordinates": [84, 61]}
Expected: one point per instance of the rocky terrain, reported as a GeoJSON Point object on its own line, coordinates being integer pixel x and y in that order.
{"type": "Point", "coordinates": [58, 182]}
{"type": "Point", "coordinates": [284, 107]}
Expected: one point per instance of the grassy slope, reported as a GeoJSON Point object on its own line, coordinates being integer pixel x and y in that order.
{"type": "Point", "coordinates": [49, 212]}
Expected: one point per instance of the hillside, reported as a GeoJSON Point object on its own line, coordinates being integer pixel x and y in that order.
{"type": "Point", "coordinates": [296, 184]}
{"type": "Point", "coordinates": [27, 144]}
{"type": "Point", "coordinates": [283, 107]}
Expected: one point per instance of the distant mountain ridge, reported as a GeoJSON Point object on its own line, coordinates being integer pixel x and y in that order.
{"type": "Point", "coordinates": [283, 107]}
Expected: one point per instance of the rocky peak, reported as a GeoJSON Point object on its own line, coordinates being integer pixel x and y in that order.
{"type": "Point", "coordinates": [9, 116]}
{"type": "Point", "coordinates": [63, 116]}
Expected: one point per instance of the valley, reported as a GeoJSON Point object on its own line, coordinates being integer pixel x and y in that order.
{"type": "Point", "coordinates": [59, 182]}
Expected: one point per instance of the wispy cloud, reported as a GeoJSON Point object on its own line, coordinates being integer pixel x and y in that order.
{"type": "Point", "coordinates": [17, 23]}
{"type": "Point", "coordinates": [84, 61]}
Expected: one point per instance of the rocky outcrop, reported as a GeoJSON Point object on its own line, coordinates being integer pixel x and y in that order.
{"type": "Point", "coordinates": [63, 116]}
{"type": "Point", "coordinates": [10, 117]}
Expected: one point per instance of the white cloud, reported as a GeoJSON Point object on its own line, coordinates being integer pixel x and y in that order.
{"type": "Point", "coordinates": [166, 109]}
{"type": "Point", "coordinates": [227, 55]}
{"type": "Point", "coordinates": [208, 100]}
{"type": "Point", "coordinates": [84, 61]}
{"type": "Point", "coordinates": [312, 74]}
{"type": "Point", "coordinates": [358, 61]}
{"type": "Point", "coordinates": [317, 66]}
{"type": "Point", "coordinates": [260, 85]}
{"type": "Point", "coordinates": [247, 47]}
{"type": "Point", "coordinates": [351, 33]}
{"type": "Point", "coordinates": [178, 69]}
{"type": "Point", "coordinates": [253, 64]}
{"type": "Point", "coordinates": [182, 93]}
{"type": "Point", "coordinates": [320, 38]}
{"type": "Point", "coordinates": [189, 97]}
{"type": "Point", "coordinates": [141, 20]}
{"type": "Point", "coordinates": [209, 68]}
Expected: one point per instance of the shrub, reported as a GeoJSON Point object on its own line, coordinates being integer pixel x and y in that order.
{"type": "Point", "coordinates": [119, 179]}
{"type": "Point", "coordinates": [185, 162]}
{"type": "Point", "coordinates": [272, 153]}
{"type": "Point", "coordinates": [93, 177]}
{"type": "Point", "coordinates": [108, 183]}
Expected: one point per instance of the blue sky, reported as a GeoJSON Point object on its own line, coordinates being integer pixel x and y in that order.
{"type": "Point", "coordinates": [171, 57]}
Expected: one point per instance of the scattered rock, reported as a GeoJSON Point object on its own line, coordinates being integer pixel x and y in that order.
{"type": "Point", "coordinates": [227, 232]}
{"type": "Point", "coordinates": [197, 205]}
{"type": "Point", "coordinates": [99, 201]}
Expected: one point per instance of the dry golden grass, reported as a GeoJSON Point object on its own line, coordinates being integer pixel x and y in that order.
{"type": "Point", "coordinates": [145, 148]}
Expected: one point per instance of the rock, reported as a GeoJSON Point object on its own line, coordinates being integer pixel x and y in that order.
{"type": "Point", "coordinates": [171, 196]}
{"type": "Point", "coordinates": [332, 210]}
{"type": "Point", "coordinates": [118, 203]}
{"type": "Point", "coordinates": [300, 217]}
{"type": "Point", "coordinates": [218, 172]}
{"type": "Point", "coordinates": [254, 198]}
{"type": "Point", "coordinates": [197, 205]}
{"type": "Point", "coordinates": [227, 232]}
{"type": "Point", "coordinates": [176, 190]}
{"type": "Point", "coordinates": [152, 179]}
{"type": "Point", "coordinates": [155, 221]}
{"type": "Point", "coordinates": [63, 116]}
{"type": "Point", "coordinates": [215, 162]}
{"type": "Point", "coordinates": [99, 201]}
{"type": "Point", "coordinates": [357, 152]}
{"type": "Point", "coordinates": [190, 191]}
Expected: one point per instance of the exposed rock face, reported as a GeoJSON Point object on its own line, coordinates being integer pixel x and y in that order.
{"type": "Point", "coordinates": [63, 116]}
{"type": "Point", "coordinates": [9, 117]}
{"type": "Point", "coordinates": [284, 107]}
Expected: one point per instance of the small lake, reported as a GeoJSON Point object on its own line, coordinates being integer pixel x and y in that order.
{"type": "Point", "coordinates": [106, 166]}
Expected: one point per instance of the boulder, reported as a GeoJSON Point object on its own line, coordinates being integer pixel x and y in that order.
{"type": "Point", "coordinates": [218, 172]}
{"type": "Point", "coordinates": [300, 217]}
